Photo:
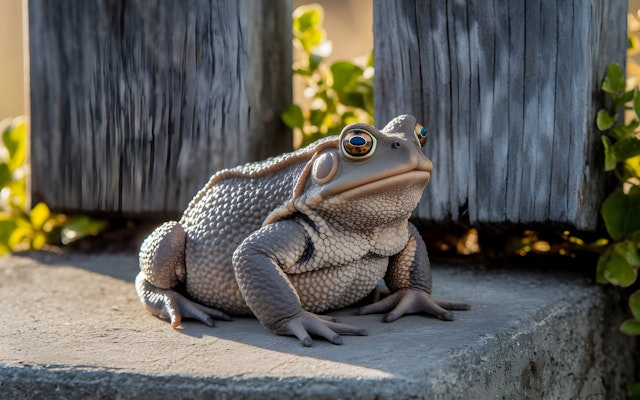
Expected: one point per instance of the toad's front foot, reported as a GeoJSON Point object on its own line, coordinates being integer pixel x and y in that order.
{"type": "Point", "coordinates": [305, 323]}
{"type": "Point", "coordinates": [413, 301]}
{"type": "Point", "coordinates": [171, 305]}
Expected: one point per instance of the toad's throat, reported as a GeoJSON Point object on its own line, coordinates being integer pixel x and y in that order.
{"type": "Point", "coordinates": [415, 179]}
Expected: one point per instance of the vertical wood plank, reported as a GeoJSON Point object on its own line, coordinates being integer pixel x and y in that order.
{"type": "Point", "coordinates": [136, 103]}
{"type": "Point", "coordinates": [509, 90]}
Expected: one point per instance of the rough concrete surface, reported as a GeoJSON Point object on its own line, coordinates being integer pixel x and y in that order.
{"type": "Point", "coordinates": [73, 328]}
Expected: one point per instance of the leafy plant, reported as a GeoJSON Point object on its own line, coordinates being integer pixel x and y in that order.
{"type": "Point", "coordinates": [337, 95]}
{"type": "Point", "coordinates": [22, 229]}
{"type": "Point", "coordinates": [619, 263]}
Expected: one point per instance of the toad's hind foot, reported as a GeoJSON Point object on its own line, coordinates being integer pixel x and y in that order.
{"type": "Point", "coordinates": [304, 324]}
{"type": "Point", "coordinates": [171, 305]}
{"type": "Point", "coordinates": [413, 301]}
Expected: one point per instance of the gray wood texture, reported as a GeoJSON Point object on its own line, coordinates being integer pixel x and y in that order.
{"type": "Point", "coordinates": [135, 103]}
{"type": "Point", "coordinates": [509, 91]}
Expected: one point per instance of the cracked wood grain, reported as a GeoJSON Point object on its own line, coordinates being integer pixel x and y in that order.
{"type": "Point", "coordinates": [134, 104]}
{"type": "Point", "coordinates": [509, 91]}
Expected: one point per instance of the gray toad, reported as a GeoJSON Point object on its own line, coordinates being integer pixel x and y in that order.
{"type": "Point", "coordinates": [301, 234]}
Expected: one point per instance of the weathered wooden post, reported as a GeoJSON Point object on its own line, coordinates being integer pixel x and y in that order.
{"type": "Point", "coordinates": [135, 103]}
{"type": "Point", "coordinates": [509, 90]}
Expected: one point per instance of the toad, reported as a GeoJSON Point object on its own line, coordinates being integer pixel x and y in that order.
{"type": "Point", "coordinates": [300, 234]}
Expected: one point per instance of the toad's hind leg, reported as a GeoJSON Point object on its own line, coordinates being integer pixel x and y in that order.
{"type": "Point", "coordinates": [162, 268]}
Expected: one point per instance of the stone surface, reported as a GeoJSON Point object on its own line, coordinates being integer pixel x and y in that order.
{"type": "Point", "coordinates": [73, 328]}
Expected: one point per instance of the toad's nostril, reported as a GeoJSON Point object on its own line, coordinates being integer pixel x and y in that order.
{"type": "Point", "coordinates": [395, 145]}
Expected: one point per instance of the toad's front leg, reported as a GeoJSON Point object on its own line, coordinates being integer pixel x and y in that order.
{"type": "Point", "coordinates": [258, 264]}
{"type": "Point", "coordinates": [409, 278]}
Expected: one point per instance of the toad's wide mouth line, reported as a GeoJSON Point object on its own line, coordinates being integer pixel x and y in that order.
{"type": "Point", "coordinates": [413, 177]}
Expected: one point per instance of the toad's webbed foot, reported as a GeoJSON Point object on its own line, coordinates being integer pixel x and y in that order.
{"type": "Point", "coordinates": [304, 324]}
{"type": "Point", "coordinates": [171, 305]}
{"type": "Point", "coordinates": [413, 301]}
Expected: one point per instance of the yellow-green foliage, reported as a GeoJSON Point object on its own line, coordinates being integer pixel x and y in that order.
{"type": "Point", "coordinates": [621, 209]}
{"type": "Point", "coordinates": [337, 95]}
{"type": "Point", "coordinates": [22, 229]}
{"type": "Point", "coordinates": [620, 261]}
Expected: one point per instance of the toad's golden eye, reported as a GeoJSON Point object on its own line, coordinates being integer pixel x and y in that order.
{"type": "Point", "coordinates": [358, 144]}
{"type": "Point", "coordinates": [421, 134]}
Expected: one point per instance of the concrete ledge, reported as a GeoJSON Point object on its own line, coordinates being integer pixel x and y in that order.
{"type": "Point", "coordinates": [73, 328]}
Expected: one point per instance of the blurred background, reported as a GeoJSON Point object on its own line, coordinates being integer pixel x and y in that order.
{"type": "Point", "coordinates": [348, 24]}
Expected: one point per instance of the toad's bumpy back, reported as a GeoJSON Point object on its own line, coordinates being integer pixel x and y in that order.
{"type": "Point", "coordinates": [234, 208]}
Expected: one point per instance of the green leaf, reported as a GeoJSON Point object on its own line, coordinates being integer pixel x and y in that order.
{"type": "Point", "coordinates": [307, 26]}
{"type": "Point", "coordinates": [317, 117]}
{"type": "Point", "coordinates": [634, 304]}
{"type": "Point", "coordinates": [5, 175]}
{"type": "Point", "coordinates": [636, 102]}
{"type": "Point", "coordinates": [601, 267]}
{"type": "Point", "coordinates": [630, 327]}
{"type": "Point", "coordinates": [620, 131]}
{"type": "Point", "coordinates": [370, 60]}
{"type": "Point", "coordinates": [307, 17]}
{"type": "Point", "coordinates": [80, 227]}
{"type": "Point", "coordinates": [621, 212]}
{"type": "Point", "coordinates": [292, 117]}
{"type": "Point", "coordinates": [15, 139]}
{"type": "Point", "coordinates": [311, 39]}
{"type": "Point", "coordinates": [353, 100]}
{"type": "Point", "coordinates": [314, 61]}
{"type": "Point", "coordinates": [614, 79]}
{"type": "Point", "coordinates": [613, 268]}
{"type": "Point", "coordinates": [348, 117]}
{"type": "Point", "coordinates": [604, 121]}
{"type": "Point", "coordinates": [334, 130]}
{"type": "Point", "coordinates": [628, 249]}
{"type": "Point", "coordinates": [345, 75]}
{"type": "Point", "coordinates": [626, 148]}
{"type": "Point", "coordinates": [627, 96]}
{"type": "Point", "coordinates": [302, 71]}
{"type": "Point", "coordinates": [610, 160]}
{"type": "Point", "coordinates": [7, 226]}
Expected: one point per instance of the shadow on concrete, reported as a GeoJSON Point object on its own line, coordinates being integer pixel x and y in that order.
{"type": "Point", "coordinates": [123, 266]}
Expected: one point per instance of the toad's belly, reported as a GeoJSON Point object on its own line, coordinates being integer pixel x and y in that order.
{"type": "Point", "coordinates": [213, 284]}
{"type": "Point", "coordinates": [336, 287]}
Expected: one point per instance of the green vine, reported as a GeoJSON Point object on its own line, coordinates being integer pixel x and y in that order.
{"type": "Point", "coordinates": [620, 261]}
{"type": "Point", "coordinates": [336, 95]}
{"type": "Point", "coordinates": [22, 229]}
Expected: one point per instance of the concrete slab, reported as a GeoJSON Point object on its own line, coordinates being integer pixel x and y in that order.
{"type": "Point", "coordinates": [74, 328]}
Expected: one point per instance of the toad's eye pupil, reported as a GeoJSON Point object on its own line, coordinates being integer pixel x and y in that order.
{"type": "Point", "coordinates": [357, 141]}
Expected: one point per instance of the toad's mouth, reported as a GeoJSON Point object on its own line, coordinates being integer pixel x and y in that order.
{"type": "Point", "coordinates": [411, 180]}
